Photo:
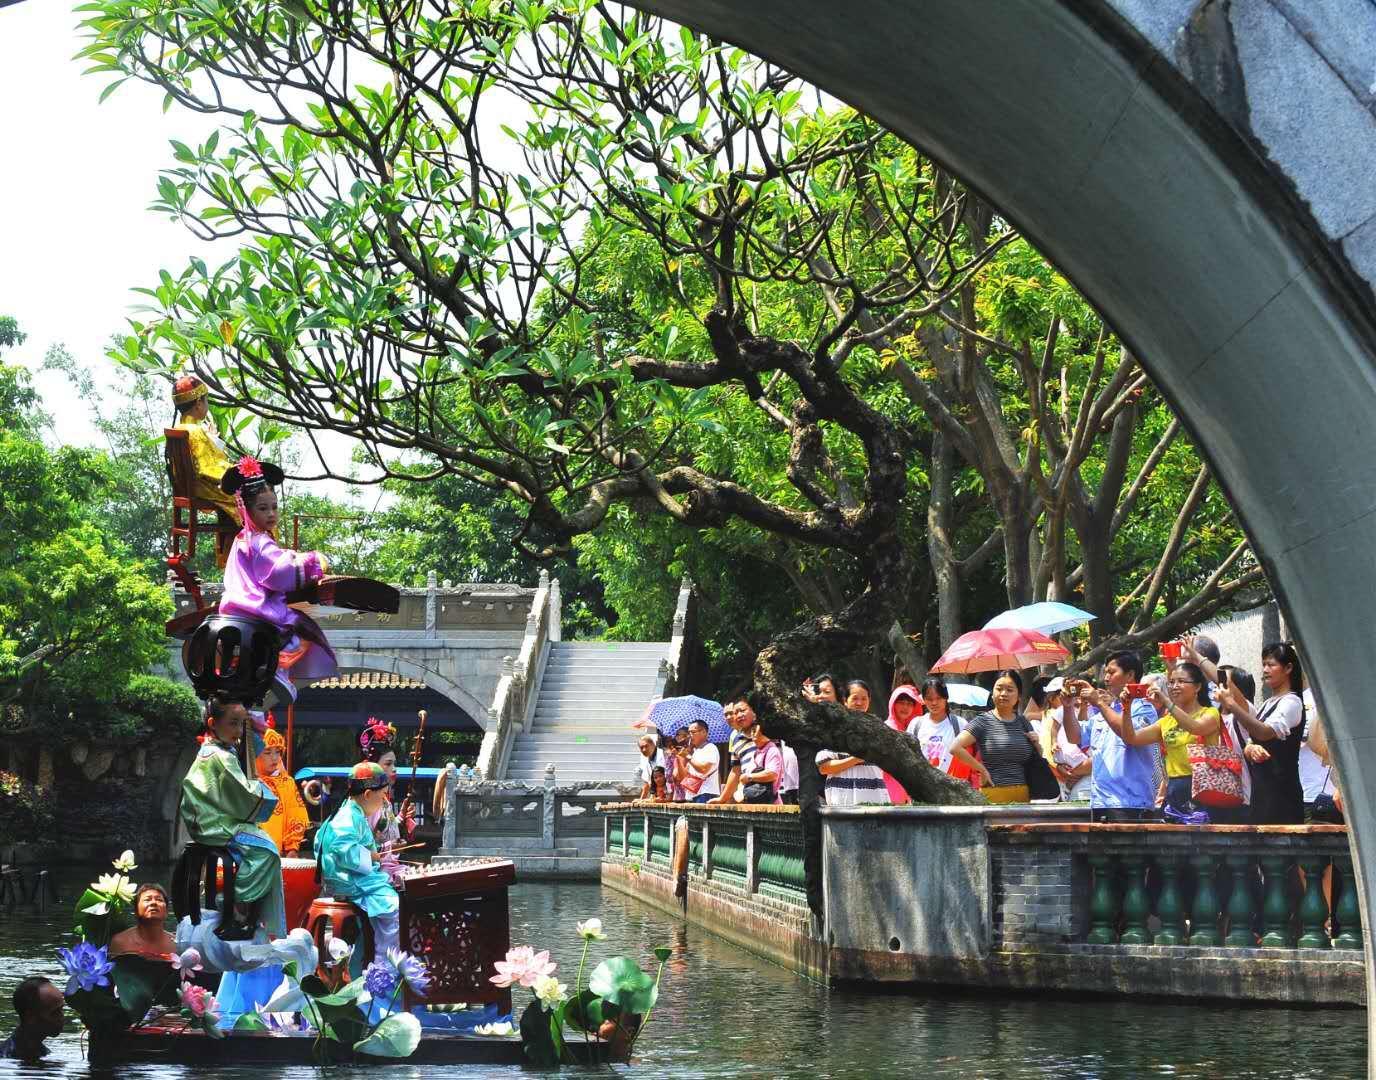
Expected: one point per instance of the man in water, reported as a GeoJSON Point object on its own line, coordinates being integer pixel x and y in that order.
{"type": "Point", "coordinates": [38, 1004]}
{"type": "Point", "coordinates": [149, 937]}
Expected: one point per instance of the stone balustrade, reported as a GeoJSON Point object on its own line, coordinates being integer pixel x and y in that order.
{"type": "Point", "coordinates": [745, 872]}
{"type": "Point", "coordinates": [1172, 885]}
{"type": "Point", "coordinates": [1027, 898]}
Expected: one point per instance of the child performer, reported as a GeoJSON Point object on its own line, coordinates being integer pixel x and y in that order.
{"type": "Point", "coordinates": [288, 823]}
{"type": "Point", "coordinates": [260, 574]}
{"type": "Point", "coordinates": [377, 743]}
{"type": "Point", "coordinates": [221, 807]}
{"type": "Point", "coordinates": [347, 854]}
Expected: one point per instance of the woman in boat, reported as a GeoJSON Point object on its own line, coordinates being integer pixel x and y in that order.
{"type": "Point", "coordinates": [347, 853]}
{"type": "Point", "coordinates": [260, 573]}
{"type": "Point", "coordinates": [288, 823]}
{"type": "Point", "coordinates": [221, 807]}
{"type": "Point", "coordinates": [377, 743]}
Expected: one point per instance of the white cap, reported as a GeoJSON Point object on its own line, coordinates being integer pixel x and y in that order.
{"type": "Point", "coordinates": [1055, 686]}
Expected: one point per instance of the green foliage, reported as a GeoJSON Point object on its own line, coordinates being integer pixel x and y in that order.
{"type": "Point", "coordinates": [78, 618]}
{"type": "Point", "coordinates": [26, 811]}
{"type": "Point", "coordinates": [661, 317]}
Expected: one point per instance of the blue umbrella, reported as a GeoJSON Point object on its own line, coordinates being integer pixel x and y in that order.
{"type": "Point", "coordinates": [1049, 617]}
{"type": "Point", "coordinates": [671, 715]}
{"type": "Point", "coordinates": [967, 694]}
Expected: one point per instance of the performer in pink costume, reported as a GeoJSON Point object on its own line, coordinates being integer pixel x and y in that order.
{"type": "Point", "coordinates": [260, 573]}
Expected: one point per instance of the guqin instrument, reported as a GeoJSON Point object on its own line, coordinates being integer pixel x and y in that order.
{"type": "Point", "coordinates": [455, 917]}
{"type": "Point", "coordinates": [332, 595]}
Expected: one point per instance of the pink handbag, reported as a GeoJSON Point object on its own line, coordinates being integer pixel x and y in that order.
{"type": "Point", "coordinates": [1216, 772]}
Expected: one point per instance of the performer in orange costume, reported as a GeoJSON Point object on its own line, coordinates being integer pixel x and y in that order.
{"type": "Point", "coordinates": [287, 826]}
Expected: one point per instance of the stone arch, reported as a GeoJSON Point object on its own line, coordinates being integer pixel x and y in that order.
{"type": "Point", "coordinates": [399, 665]}
{"type": "Point", "coordinates": [1201, 170]}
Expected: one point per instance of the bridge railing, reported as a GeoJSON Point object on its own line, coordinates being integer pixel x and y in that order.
{"type": "Point", "coordinates": [514, 700]}
{"type": "Point", "coordinates": [524, 817]}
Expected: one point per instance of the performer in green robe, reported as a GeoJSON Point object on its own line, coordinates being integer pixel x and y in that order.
{"type": "Point", "coordinates": [346, 851]}
{"type": "Point", "coordinates": [221, 808]}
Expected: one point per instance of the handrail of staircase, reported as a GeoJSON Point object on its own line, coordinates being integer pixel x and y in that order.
{"type": "Point", "coordinates": [517, 687]}
{"type": "Point", "coordinates": [669, 680]}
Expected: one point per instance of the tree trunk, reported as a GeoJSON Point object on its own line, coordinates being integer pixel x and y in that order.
{"type": "Point", "coordinates": [940, 545]}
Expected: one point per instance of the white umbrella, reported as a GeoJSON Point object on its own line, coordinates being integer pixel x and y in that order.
{"type": "Point", "coordinates": [967, 694]}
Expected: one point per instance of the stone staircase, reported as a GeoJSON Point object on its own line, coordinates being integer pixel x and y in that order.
{"type": "Point", "coordinates": [590, 694]}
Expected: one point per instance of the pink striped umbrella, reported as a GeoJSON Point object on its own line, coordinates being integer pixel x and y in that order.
{"type": "Point", "coordinates": [994, 650]}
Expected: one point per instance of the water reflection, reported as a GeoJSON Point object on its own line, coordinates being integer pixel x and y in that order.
{"type": "Point", "coordinates": [724, 1012]}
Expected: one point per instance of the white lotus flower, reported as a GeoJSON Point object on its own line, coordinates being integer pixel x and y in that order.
{"type": "Point", "coordinates": [126, 861]}
{"type": "Point", "coordinates": [287, 998]}
{"type": "Point", "coordinates": [591, 930]}
{"type": "Point", "coordinates": [506, 1027]}
{"type": "Point", "coordinates": [550, 991]}
{"type": "Point", "coordinates": [115, 887]}
{"type": "Point", "coordinates": [339, 950]}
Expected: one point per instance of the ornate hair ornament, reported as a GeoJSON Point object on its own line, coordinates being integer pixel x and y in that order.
{"type": "Point", "coordinates": [376, 732]}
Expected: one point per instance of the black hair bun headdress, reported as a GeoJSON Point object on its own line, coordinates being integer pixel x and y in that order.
{"type": "Point", "coordinates": [250, 474]}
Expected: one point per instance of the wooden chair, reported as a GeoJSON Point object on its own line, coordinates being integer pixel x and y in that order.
{"type": "Point", "coordinates": [186, 507]}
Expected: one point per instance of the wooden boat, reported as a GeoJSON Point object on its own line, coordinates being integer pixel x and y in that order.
{"type": "Point", "coordinates": [172, 1041]}
{"type": "Point", "coordinates": [454, 916]}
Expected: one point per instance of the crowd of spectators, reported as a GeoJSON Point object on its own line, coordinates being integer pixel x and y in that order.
{"type": "Point", "coordinates": [1134, 747]}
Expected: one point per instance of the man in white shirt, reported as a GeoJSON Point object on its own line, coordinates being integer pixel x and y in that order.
{"type": "Point", "coordinates": [704, 762]}
{"type": "Point", "coordinates": [651, 758]}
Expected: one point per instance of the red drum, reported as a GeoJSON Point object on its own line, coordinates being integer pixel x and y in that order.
{"type": "Point", "coordinates": [299, 888]}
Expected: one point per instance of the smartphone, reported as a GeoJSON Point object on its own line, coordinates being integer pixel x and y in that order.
{"type": "Point", "coordinates": [1137, 689]}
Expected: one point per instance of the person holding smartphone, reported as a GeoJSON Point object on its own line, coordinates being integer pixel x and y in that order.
{"type": "Point", "coordinates": [1184, 719]}
{"type": "Point", "coordinates": [1122, 788]}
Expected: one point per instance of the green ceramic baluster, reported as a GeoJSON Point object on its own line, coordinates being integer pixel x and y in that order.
{"type": "Point", "coordinates": [1136, 905]}
{"type": "Point", "coordinates": [1240, 904]}
{"type": "Point", "coordinates": [1169, 907]}
{"type": "Point", "coordinates": [1276, 910]}
{"type": "Point", "coordinates": [1313, 906]}
{"type": "Point", "coordinates": [1103, 903]}
{"type": "Point", "coordinates": [1348, 910]}
{"type": "Point", "coordinates": [1204, 913]}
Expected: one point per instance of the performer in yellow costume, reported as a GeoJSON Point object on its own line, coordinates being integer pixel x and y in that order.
{"type": "Point", "coordinates": [288, 823]}
{"type": "Point", "coordinates": [209, 454]}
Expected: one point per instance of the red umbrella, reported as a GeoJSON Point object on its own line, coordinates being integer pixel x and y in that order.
{"type": "Point", "coordinates": [994, 650]}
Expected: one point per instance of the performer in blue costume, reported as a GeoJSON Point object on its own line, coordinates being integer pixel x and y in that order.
{"type": "Point", "coordinates": [346, 851]}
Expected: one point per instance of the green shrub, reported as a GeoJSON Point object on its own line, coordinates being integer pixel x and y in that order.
{"type": "Point", "coordinates": [26, 811]}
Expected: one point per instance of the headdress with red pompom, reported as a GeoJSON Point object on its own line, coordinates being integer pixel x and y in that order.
{"type": "Point", "coordinates": [376, 738]}
{"type": "Point", "coordinates": [247, 479]}
{"type": "Point", "coordinates": [187, 390]}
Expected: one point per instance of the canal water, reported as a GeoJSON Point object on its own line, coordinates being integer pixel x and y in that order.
{"type": "Point", "coordinates": [725, 1013]}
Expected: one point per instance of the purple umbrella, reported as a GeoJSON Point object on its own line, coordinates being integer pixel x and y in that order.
{"type": "Point", "coordinates": [673, 714]}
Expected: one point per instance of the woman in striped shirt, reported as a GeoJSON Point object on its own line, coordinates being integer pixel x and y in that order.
{"type": "Point", "coordinates": [849, 780]}
{"type": "Point", "coordinates": [1006, 743]}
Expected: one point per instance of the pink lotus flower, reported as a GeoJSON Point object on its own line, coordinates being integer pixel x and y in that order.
{"type": "Point", "coordinates": [523, 965]}
{"type": "Point", "coordinates": [199, 1001]}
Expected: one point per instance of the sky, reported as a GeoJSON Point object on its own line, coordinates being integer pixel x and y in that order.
{"type": "Point", "coordinates": [76, 235]}
{"type": "Point", "coordinates": [75, 232]}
